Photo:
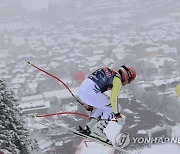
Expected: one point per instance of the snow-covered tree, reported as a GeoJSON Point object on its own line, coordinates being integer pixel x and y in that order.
{"type": "Point", "coordinates": [13, 134]}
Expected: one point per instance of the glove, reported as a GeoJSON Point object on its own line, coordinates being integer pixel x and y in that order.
{"type": "Point", "coordinates": [117, 116]}
{"type": "Point", "coordinates": [89, 108]}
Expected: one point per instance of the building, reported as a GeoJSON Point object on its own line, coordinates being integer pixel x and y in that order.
{"type": "Point", "coordinates": [35, 107]}
{"type": "Point", "coordinates": [159, 132]}
{"type": "Point", "coordinates": [62, 96]}
{"type": "Point", "coordinates": [40, 104]}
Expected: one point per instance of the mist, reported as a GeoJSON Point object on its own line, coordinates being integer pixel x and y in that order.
{"type": "Point", "coordinates": [73, 38]}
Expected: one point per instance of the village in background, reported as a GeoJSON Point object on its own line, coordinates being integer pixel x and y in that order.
{"type": "Point", "coordinates": [70, 40]}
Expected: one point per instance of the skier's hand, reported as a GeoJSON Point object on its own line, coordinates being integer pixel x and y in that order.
{"type": "Point", "coordinates": [89, 108]}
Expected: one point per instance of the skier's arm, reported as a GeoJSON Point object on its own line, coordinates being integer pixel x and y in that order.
{"type": "Point", "coordinates": [114, 94]}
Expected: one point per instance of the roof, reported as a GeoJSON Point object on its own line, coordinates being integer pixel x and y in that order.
{"type": "Point", "coordinates": [35, 104]}
{"type": "Point", "coordinates": [18, 80]}
{"type": "Point", "coordinates": [33, 97]}
{"type": "Point", "coordinates": [166, 49]}
{"type": "Point", "coordinates": [160, 82]}
{"type": "Point", "coordinates": [43, 144]}
{"type": "Point", "coordinates": [157, 128]}
{"type": "Point", "coordinates": [158, 61]}
{"type": "Point", "coordinates": [61, 93]}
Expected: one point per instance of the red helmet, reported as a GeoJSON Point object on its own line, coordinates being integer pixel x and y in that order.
{"type": "Point", "coordinates": [127, 72]}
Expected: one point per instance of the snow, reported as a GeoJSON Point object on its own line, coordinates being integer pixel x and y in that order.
{"type": "Point", "coordinates": [128, 111]}
{"type": "Point", "coordinates": [144, 84]}
{"type": "Point", "coordinates": [2, 65]}
{"type": "Point", "coordinates": [44, 143]}
{"type": "Point", "coordinates": [160, 149]}
{"type": "Point", "coordinates": [176, 130]}
{"type": "Point", "coordinates": [98, 52]}
{"type": "Point", "coordinates": [33, 104]}
{"type": "Point", "coordinates": [133, 125]}
{"type": "Point", "coordinates": [16, 86]}
{"type": "Point", "coordinates": [158, 82]}
{"type": "Point", "coordinates": [108, 62]}
{"type": "Point", "coordinates": [156, 129]}
{"type": "Point", "coordinates": [93, 59]}
{"type": "Point", "coordinates": [142, 132]}
{"type": "Point", "coordinates": [158, 61]}
{"type": "Point", "coordinates": [3, 71]}
{"type": "Point", "coordinates": [18, 80]}
{"type": "Point", "coordinates": [56, 35]}
{"type": "Point", "coordinates": [165, 48]}
{"type": "Point", "coordinates": [3, 55]}
{"type": "Point", "coordinates": [54, 64]}
{"type": "Point", "coordinates": [36, 126]}
{"type": "Point", "coordinates": [35, 5]}
{"type": "Point", "coordinates": [60, 143]}
{"type": "Point", "coordinates": [18, 70]}
{"type": "Point", "coordinates": [40, 48]}
{"type": "Point", "coordinates": [61, 93]}
{"type": "Point", "coordinates": [136, 117]}
{"type": "Point", "coordinates": [33, 85]}
{"type": "Point", "coordinates": [72, 107]}
{"type": "Point", "coordinates": [31, 98]}
{"type": "Point", "coordinates": [93, 63]}
{"type": "Point", "coordinates": [18, 41]}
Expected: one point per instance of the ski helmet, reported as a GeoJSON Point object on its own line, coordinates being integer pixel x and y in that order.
{"type": "Point", "coordinates": [128, 73]}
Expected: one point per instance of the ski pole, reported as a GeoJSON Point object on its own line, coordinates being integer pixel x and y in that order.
{"type": "Point", "coordinates": [69, 113]}
{"type": "Point", "coordinates": [60, 113]}
{"type": "Point", "coordinates": [53, 76]}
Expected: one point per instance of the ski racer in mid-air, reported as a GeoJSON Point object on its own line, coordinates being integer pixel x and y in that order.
{"type": "Point", "coordinates": [91, 92]}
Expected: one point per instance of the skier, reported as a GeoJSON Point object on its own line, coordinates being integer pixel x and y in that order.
{"type": "Point", "coordinates": [91, 92]}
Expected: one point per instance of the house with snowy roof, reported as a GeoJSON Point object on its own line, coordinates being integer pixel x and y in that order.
{"type": "Point", "coordinates": [16, 83]}
{"type": "Point", "coordinates": [32, 98]}
{"type": "Point", "coordinates": [61, 96]}
{"type": "Point", "coordinates": [35, 107]}
{"type": "Point", "coordinates": [159, 51]}
{"type": "Point", "coordinates": [158, 66]}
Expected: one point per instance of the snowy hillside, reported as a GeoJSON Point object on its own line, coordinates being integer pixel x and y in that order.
{"type": "Point", "coordinates": [70, 39]}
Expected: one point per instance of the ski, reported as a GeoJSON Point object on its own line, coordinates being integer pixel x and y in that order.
{"type": "Point", "coordinates": [77, 133]}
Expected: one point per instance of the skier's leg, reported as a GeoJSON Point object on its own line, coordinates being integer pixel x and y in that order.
{"type": "Point", "coordinates": [89, 95]}
{"type": "Point", "coordinates": [88, 127]}
{"type": "Point", "coordinates": [109, 114]}
{"type": "Point", "coordinates": [105, 113]}
{"type": "Point", "coordinates": [92, 121]}
{"type": "Point", "coordinates": [92, 124]}
{"type": "Point", "coordinates": [97, 113]}
{"type": "Point", "coordinates": [98, 129]}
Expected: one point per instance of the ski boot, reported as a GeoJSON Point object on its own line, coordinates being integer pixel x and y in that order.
{"type": "Point", "coordinates": [98, 131]}
{"type": "Point", "coordinates": [85, 130]}
{"type": "Point", "coordinates": [88, 127]}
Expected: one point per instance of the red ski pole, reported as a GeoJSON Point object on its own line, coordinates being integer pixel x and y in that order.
{"type": "Point", "coordinates": [60, 113]}
{"type": "Point", "coordinates": [53, 76]}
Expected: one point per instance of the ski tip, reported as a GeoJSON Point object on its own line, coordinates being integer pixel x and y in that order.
{"type": "Point", "coordinates": [34, 116]}
{"type": "Point", "coordinates": [29, 63]}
